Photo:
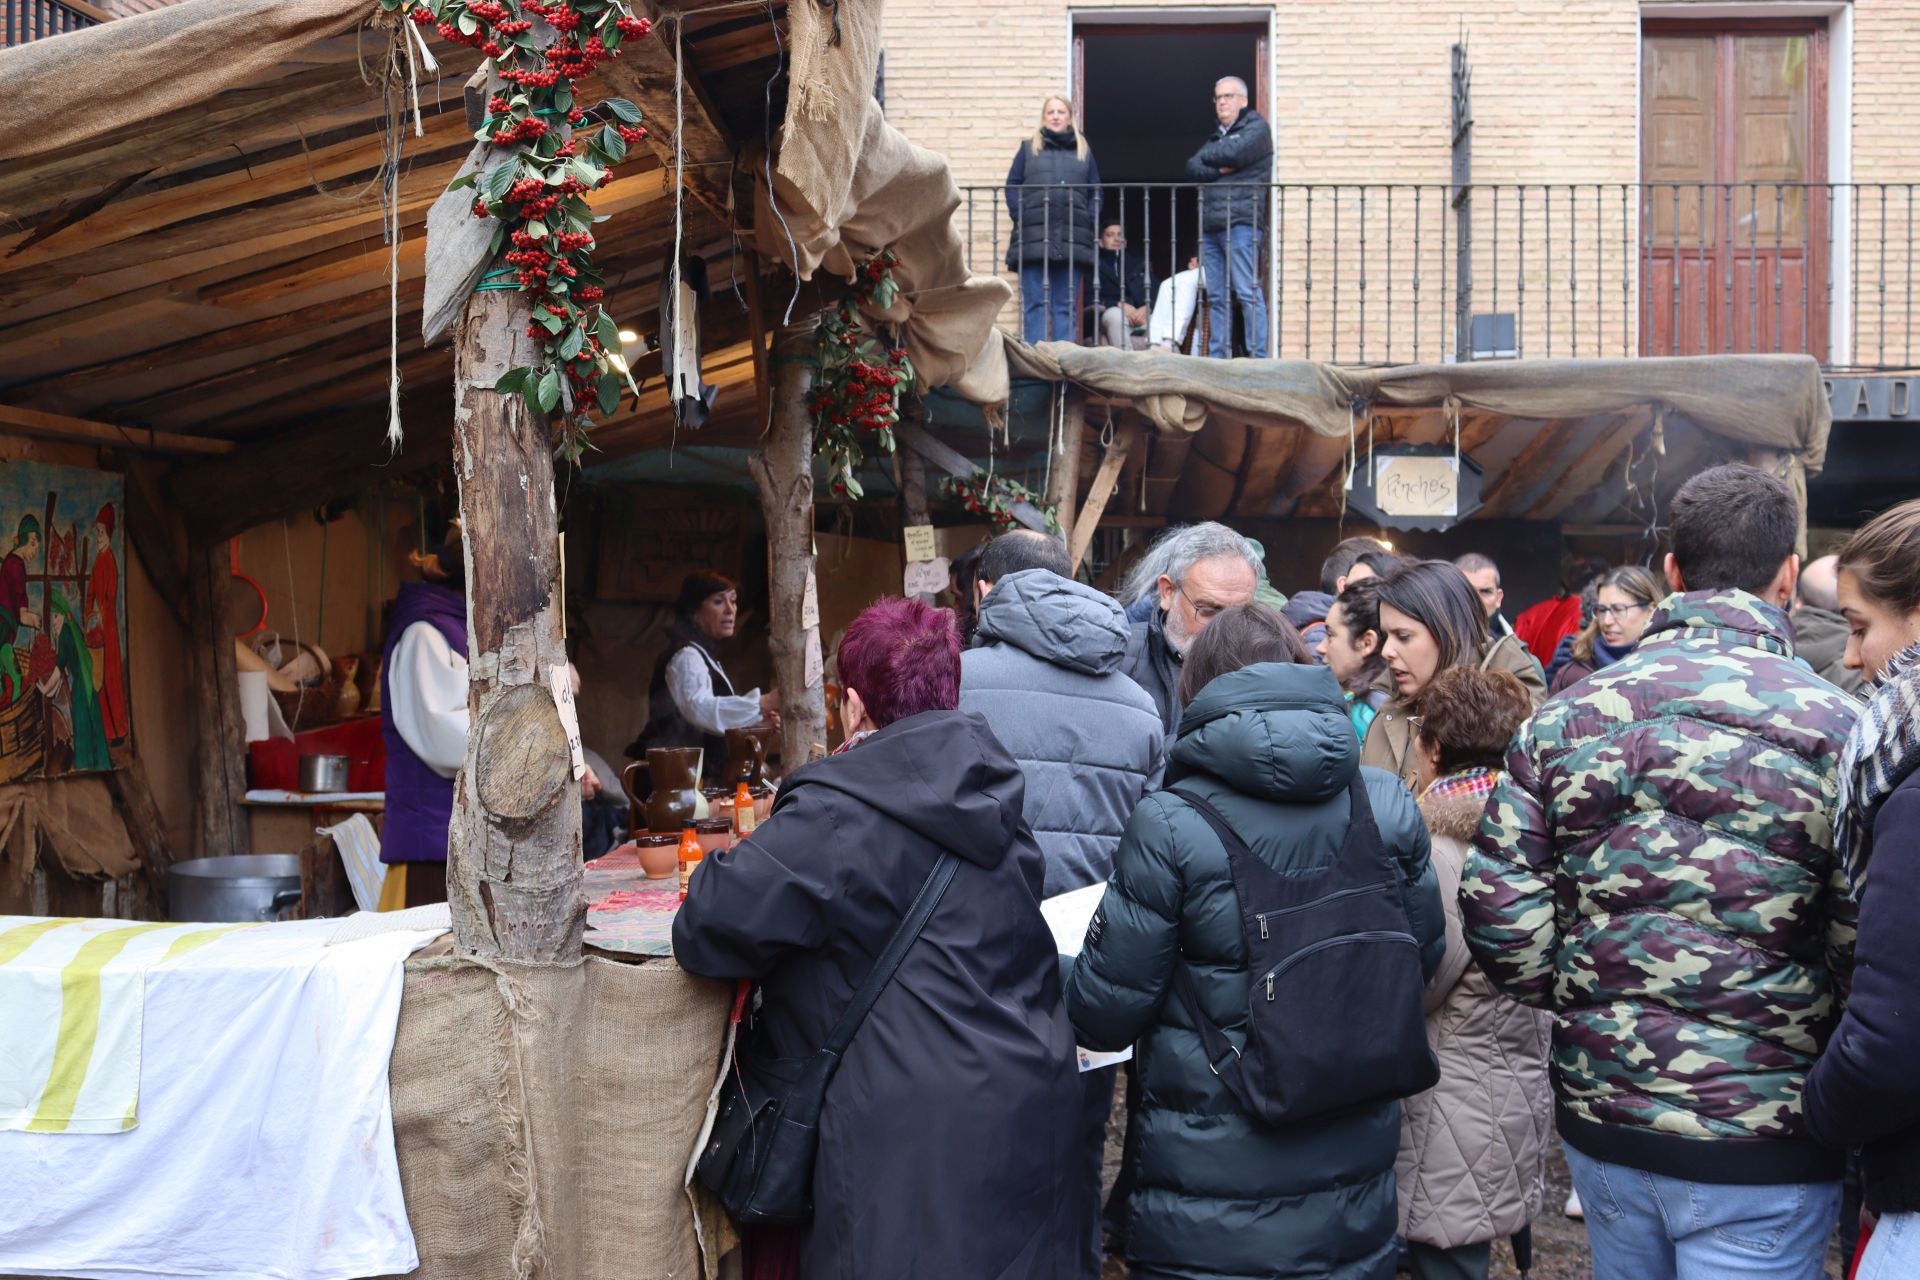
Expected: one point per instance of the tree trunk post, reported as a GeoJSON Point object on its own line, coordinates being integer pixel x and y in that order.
{"type": "Point", "coordinates": [219, 742]}
{"type": "Point", "coordinates": [783, 471]}
{"type": "Point", "coordinates": [1063, 476]}
{"type": "Point", "coordinates": [910, 476]}
{"type": "Point", "coordinates": [513, 853]}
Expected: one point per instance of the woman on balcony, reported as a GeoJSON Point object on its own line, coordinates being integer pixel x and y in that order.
{"type": "Point", "coordinates": [1051, 197]}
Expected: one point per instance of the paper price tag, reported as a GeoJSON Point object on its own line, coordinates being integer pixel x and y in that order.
{"type": "Point", "coordinates": [920, 542]}
{"type": "Point", "coordinates": [927, 577]}
{"type": "Point", "coordinates": [816, 667]}
{"type": "Point", "coordinates": [562, 686]}
{"type": "Point", "coordinates": [810, 602]}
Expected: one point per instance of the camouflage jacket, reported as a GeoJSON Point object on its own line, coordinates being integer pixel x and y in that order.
{"type": "Point", "coordinates": [1657, 869]}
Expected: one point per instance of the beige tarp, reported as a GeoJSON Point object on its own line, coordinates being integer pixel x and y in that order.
{"type": "Point", "coordinates": [72, 818]}
{"type": "Point", "coordinates": [544, 1118]}
{"type": "Point", "coordinates": [848, 184]}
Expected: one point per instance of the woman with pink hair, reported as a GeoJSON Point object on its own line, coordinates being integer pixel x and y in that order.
{"type": "Point", "coordinates": [949, 1130]}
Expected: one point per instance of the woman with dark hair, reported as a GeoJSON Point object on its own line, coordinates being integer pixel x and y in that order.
{"type": "Point", "coordinates": [1431, 619]}
{"type": "Point", "coordinates": [1265, 740]}
{"type": "Point", "coordinates": [1861, 1091]}
{"type": "Point", "coordinates": [690, 700]}
{"type": "Point", "coordinates": [423, 721]}
{"type": "Point", "coordinates": [952, 1123]}
{"type": "Point", "coordinates": [1351, 650]}
{"type": "Point", "coordinates": [1623, 604]}
{"type": "Point", "coordinates": [1473, 1149]}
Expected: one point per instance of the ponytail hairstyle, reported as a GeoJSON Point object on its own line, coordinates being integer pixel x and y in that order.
{"type": "Point", "coordinates": [1884, 558]}
{"type": "Point", "coordinates": [446, 564]}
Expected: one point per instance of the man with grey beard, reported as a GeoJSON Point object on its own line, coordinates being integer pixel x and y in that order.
{"type": "Point", "coordinates": [1209, 567]}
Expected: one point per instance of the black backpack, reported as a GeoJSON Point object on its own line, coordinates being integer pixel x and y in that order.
{"type": "Point", "coordinates": [1334, 1016]}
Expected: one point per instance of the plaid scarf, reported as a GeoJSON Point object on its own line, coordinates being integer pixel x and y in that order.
{"type": "Point", "coordinates": [1882, 750]}
{"type": "Point", "coordinates": [1476, 782]}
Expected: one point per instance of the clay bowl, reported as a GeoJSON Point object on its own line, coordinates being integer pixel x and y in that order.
{"type": "Point", "coordinates": [659, 855]}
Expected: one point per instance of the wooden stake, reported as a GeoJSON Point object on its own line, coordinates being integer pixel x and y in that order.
{"type": "Point", "coordinates": [513, 853]}
{"type": "Point", "coordinates": [1087, 520]}
{"type": "Point", "coordinates": [219, 739]}
{"type": "Point", "coordinates": [910, 474]}
{"type": "Point", "coordinates": [783, 471]}
{"type": "Point", "coordinates": [1063, 477]}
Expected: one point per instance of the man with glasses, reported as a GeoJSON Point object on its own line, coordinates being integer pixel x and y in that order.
{"type": "Point", "coordinates": [1209, 567]}
{"type": "Point", "coordinates": [1238, 160]}
{"type": "Point", "coordinates": [1484, 574]}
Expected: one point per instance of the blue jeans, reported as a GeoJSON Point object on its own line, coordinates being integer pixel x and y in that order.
{"type": "Point", "coordinates": [1047, 293]}
{"type": "Point", "coordinates": [1647, 1226]}
{"type": "Point", "coordinates": [1894, 1251]}
{"type": "Point", "coordinates": [1230, 265]}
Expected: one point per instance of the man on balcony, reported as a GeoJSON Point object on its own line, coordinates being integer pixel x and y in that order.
{"type": "Point", "coordinates": [1238, 159]}
{"type": "Point", "coordinates": [1119, 293]}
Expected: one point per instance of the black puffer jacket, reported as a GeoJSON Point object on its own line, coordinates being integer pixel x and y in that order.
{"type": "Point", "coordinates": [1217, 1194]}
{"type": "Point", "coordinates": [952, 1124]}
{"type": "Point", "coordinates": [1051, 198]}
{"type": "Point", "coordinates": [1246, 148]}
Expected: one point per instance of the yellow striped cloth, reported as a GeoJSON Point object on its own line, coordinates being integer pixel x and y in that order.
{"type": "Point", "coordinates": [72, 993]}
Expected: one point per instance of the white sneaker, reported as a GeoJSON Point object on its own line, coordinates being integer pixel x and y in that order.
{"type": "Point", "coordinates": [1573, 1209]}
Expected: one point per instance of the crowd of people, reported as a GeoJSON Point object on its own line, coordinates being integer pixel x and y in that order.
{"type": "Point", "coordinates": [1078, 280]}
{"type": "Point", "coordinates": [1381, 913]}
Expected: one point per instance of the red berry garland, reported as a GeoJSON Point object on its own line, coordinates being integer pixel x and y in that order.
{"type": "Point", "coordinates": [541, 50]}
{"type": "Point", "coordinates": [862, 376]}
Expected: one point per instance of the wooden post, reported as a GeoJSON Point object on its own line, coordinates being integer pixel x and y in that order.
{"type": "Point", "coordinates": [1087, 519]}
{"type": "Point", "coordinates": [783, 471]}
{"type": "Point", "coordinates": [219, 738]}
{"type": "Point", "coordinates": [910, 474]}
{"type": "Point", "coordinates": [1063, 476]}
{"type": "Point", "coordinates": [513, 853]}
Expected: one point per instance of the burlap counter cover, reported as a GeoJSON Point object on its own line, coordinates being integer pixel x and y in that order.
{"type": "Point", "coordinates": [544, 1118]}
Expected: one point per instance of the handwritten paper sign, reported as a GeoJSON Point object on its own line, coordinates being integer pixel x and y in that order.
{"type": "Point", "coordinates": [1416, 486]}
{"type": "Point", "coordinates": [561, 683]}
{"type": "Point", "coordinates": [920, 543]}
{"type": "Point", "coordinates": [816, 666]}
{"type": "Point", "coordinates": [927, 577]}
{"type": "Point", "coordinates": [810, 601]}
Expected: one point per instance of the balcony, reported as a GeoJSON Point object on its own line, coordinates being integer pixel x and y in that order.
{"type": "Point", "coordinates": [24, 20]}
{"type": "Point", "coordinates": [1393, 273]}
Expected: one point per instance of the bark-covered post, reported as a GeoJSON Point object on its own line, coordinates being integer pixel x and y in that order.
{"type": "Point", "coordinates": [783, 471]}
{"type": "Point", "coordinates": [1063, 477]}
{"type": "Point", "coordinates": [513, 857]}
{"type": "Point", "coordinates": [910, 475]}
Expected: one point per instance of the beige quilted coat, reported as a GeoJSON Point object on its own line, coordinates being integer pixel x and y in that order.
{"type": "Point", "coordinates": [1473, 1149]}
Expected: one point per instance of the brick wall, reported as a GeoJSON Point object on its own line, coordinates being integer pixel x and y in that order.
{"type": "Point", "coordinates": [1360, 95]}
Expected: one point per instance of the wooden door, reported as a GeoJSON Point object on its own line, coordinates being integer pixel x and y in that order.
{"type": "Point", "coordinates": [1734, 210]}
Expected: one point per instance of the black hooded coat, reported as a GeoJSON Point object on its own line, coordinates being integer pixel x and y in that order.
{"type": "Point", "coordinates": [950, 1129]}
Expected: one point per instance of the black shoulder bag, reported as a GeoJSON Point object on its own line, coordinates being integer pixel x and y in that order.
{"type": "Point", "coordinates": [759, 1157]}
{"type": "Point", "coordinates": [1333, 1008]}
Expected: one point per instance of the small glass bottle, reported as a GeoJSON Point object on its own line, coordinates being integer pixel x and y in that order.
{"type": "Point", "coordinates": [744, 818]}
{"type": "Point", "coordinates": [691, 852]}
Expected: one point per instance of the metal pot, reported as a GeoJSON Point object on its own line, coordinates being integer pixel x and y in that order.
{"type": "Point", "coordinates": [323, 773]}
{"type": "Point", "coordinates": [245, 889]}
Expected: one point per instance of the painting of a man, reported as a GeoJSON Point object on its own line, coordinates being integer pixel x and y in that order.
{"type": "Point", "coordinates": [102, 610]}
{"type": "Point", "coordinates": [15, 610]}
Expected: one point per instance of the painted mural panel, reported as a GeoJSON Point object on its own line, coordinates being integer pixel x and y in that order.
{"type": "Point", "coordinates": [63, 637]}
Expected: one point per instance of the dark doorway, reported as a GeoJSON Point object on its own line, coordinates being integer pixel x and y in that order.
{"type": "Point", "coordinates": [1145, 104]}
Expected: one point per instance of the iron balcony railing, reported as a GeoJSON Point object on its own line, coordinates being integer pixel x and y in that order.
{"type": "Point", "coordinates": [1388, 273]}
{"type": "Point", "coordinates": [24, 20]}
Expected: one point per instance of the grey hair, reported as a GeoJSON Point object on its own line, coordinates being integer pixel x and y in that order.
{"type": "Point", "coordinates": [1474, 562]}
{"type": "Point", "coordinates": [1178, 550]}
{"type": "Point", "coordinates": [1234, 80]}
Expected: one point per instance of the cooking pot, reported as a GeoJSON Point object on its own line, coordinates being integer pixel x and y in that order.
{"type": "Point", "coordinates": [323, 773]}
{"type": "Point", "coordinates": [245, 889]}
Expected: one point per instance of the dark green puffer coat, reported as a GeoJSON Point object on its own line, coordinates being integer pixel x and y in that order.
{"type": "Point", "coordinates": [1217, 1194]}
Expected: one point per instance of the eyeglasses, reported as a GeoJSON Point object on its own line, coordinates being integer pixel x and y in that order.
{"type": "Point", "coordinates": [1228, 97]}
{"type": "Point", "coordinates": [1205, 612]}
{"type": "Point", "coordinates": [1617, 610]}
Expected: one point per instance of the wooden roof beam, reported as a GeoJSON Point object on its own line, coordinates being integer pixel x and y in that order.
{"type": "Point", "coordinates": [644, 74]}
{"type": "Point", "coordinates": [58, 426]}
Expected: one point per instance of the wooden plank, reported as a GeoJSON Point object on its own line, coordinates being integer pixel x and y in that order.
{"type": "Point", "coordinates": [1112, 462]}
{"type": "Point", "coordinates": [133, 796]}
{"type": "Point", "coordinates": [957, 465]}
{"type": "Point", "coordinates": [219, 746]}
{"type": "Point", "coordinates": [156, 535]}
{"type": "Point", "coordinates": [644, 73]}
{"type": "Point", "coordinates": [58, 426]}
{"type": "Point", "coordinates": [1063, 470]}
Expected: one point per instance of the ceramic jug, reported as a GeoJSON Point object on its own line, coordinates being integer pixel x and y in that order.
{"type": "Point", "coordinates": [672, 774]}
{"type": "Point", "coordinates": [746, 757]}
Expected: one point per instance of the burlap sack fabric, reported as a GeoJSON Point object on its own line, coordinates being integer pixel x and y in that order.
{"type": "Point", "coordinates": [544, 1118]}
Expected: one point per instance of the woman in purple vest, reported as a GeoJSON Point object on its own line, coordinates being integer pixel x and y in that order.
{"type": "Point", "coordinates": [423, 718]}
{"type": "Point", "coordinates": [691, 702]}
